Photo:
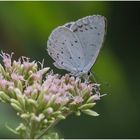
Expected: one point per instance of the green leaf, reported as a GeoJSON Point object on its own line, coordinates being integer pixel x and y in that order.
{"type": "Point", "coordinates": [87, 106]}
{"type": "Point", "coordinates": [90, 112]}
{"type": "Point", "coordinates": [11, 129]}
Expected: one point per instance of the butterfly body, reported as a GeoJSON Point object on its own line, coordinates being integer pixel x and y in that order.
{"type": "Point", "coordinates": [76, 45]}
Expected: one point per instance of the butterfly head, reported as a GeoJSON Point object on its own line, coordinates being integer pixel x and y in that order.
{"type": "Point", "coordinates": [83, 75]}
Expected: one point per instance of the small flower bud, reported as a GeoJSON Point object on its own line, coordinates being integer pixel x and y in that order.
{"type": "Point", "coordinates": [16, 107]}
{"type": "Point", "coordinates": [49, 110]}
{"type": "Point", "coordinates": [4, 97]}
{"type": "Point", "coordinates": [90, 112]}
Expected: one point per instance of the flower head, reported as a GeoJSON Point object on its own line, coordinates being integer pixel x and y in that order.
{"type": "Point", "coordinates": [41, 96]}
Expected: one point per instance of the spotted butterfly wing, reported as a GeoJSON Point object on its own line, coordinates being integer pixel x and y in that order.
{"type": "Point", "coordinates": [76, 45]}
{"type": "Point", "coordinates": [90, 31]}
{"type": "Point", "coordinates": [65, 48]}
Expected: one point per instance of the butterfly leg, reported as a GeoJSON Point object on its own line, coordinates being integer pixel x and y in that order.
{"type": "Point", "coordinates": [92, 76]}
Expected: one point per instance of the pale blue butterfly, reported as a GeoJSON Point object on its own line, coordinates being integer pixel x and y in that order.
{"type": "Point", "coordinates": [75, 46]}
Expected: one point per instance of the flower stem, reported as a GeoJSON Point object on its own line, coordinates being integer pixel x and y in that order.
{"type": "Point", "coordinates": [50, 126]}
{"type": "Point", "coordinates": [46, 129]}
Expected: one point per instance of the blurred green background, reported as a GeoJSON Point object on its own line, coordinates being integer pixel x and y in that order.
{"type": "Point", "coordinates": [24, 29]}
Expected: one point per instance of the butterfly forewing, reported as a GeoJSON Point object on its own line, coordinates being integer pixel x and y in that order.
{"type": "Point", "coordinates": [90, 31]}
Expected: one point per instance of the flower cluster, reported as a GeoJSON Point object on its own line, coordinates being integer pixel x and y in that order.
{"type": "Point", "coordinates": [42, 98]}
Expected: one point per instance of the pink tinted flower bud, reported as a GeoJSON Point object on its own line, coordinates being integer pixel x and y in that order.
{"type": "Point", "coordinates": [37, 76]}
{"type": "Point", "coordinates": [78, 99]}
{"type": "Point", "coordinates": [6, 59]}
{"type": "Point", "coordinates": [96, 97]}
{"type": "Point", "coordinates": [50, 110]}
{"type": "Point", "coordinates": [17, 77]}
{"type": "Point", "coordinates": [47, 98]}
{"type": "Point", "coordinates": [3, 83]}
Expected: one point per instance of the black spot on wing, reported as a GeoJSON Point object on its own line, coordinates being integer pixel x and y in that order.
{"type": "Point", "coordinates": [57, 55]}
{"type": "Point", "coordinates": [68, 25]}
{"type": "Point", "coordinates": [75, 30]}
{"type": "Point", "coordinates": [93, 45]}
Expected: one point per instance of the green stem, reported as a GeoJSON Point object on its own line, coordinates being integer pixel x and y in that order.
{"type": "Point", "coordinates": [32, 131]}
{"type": "Point", "coordinates": [50, 126]}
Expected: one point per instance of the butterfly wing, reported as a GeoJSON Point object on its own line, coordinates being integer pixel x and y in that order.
{"type": "Point", "coordinates": [65, 48]}
{"type": "Point", "coordinates": [90, 31]}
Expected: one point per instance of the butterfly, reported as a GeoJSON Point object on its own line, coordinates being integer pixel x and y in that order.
{"type": "Point", "coordinates": [75, 46]}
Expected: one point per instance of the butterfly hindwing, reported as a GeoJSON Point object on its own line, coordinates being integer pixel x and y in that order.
{"type": "Point", "coordinates": [64, 48]}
